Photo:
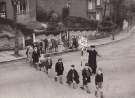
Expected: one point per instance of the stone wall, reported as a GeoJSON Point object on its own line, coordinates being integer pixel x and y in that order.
{"type": "Point", "coordinates": [6, 43]}
{"type": "Point", "coordinates": [9, 43]}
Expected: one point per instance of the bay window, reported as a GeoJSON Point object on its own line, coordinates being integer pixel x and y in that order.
{"type": "Point", "coordinates": [90, 5]}
{"type": "Point", "coordinates": [21, 6]}
{"type": "Point", "coordinates": [98, 2]}
{"type": "Point", "coordinates": [3, 9]}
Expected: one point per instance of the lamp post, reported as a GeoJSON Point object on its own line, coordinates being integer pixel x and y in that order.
{"type": "Point", "coordinates": [16, 48]}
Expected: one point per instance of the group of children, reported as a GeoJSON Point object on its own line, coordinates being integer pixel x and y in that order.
{"type": "Point", "coordinates": [72, 77]}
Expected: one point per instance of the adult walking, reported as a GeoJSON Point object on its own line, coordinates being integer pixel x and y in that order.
{"type": "Point", "coordinates": [92, 58]}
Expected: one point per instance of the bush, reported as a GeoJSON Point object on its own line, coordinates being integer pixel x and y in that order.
{"type": "Point", "coordinates": [47, 16]}
{"type": "Point", "coordinates": [78, 22]}
{"type": "Point", "coordinates": [42, 15]}
{"type": "Point", "coordinates": [106, 25]}
{"type": "Point", "coordinates": [65, 12]}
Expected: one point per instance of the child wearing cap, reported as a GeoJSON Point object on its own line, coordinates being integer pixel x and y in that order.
{"type": "Point", "coordinates": [59, 69]}
{"type": "Point", "coordinates": [86, 74]}
{"type": "Point", "coordinates": [99, 83]}
{"type": "Point", "coordinates": [73, 77]}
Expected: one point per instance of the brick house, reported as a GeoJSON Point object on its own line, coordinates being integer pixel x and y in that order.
{"type": "Point", "coordinates": [26, 10]}
{"type": "Point", "coordinates": [26, 13]}
{"type": "Point", "coordinates": [89, 9]}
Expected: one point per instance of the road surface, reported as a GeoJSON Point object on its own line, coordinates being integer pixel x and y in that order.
{"type": "Point", "coordinates": [20, 80]}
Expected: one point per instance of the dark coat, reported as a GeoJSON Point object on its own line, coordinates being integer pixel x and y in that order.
{"type": "Point", "coordinates": [72, 76]}
{"type": "Point", "coordinates": [75, 42]}
{"type": "Point", "coordinates": [86, 76]}
{"type": "Point", "coordinates": [98, 78]}
{"type": "Point", "coordinates": [59, 68]}
{"type": "Point", "coordinates": [35, 56]}
{"type": "Point", "coordinates": [45, 43]}
{"type": "Point", "coordinates": [48, 64]}
{"type": "Point", "coordinates": [92, 58]}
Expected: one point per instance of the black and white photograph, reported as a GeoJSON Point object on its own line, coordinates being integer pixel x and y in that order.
{"type": "Point", "coordinates": [67, 48]}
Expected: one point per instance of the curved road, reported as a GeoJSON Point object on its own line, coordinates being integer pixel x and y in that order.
{"type": "Point", "coordinates": [19, 80]}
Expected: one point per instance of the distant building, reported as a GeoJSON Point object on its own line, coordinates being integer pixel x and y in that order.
{"type": "Point", "coordinates": [89, 9]}
{"type": "Point", "coordinates": [26, 10]}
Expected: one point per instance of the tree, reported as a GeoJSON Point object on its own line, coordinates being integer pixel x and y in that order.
{"type": "Point", "coordinates": [105, 6]}
{"type": "Point", "coordinates": [14, 5]}
{"type": "Point", "coordinates": [117, 11]}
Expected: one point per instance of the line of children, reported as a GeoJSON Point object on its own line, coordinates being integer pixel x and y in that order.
{"type": "Point", "coordinates": [72, 76]}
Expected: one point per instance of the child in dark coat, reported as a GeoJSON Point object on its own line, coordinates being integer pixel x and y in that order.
{"type": "Point", "coordinates": [73, 77]}
{"type": "Point", "coordinates": [59, 69]}
{"type": "Point", "coordinates": [86, 74]}
{"type": "Point", "coordinates": [48, 64]}
{"type": "Point", "coordinates": [35, 57]}
{"type": "Point", "coordinates": [99, 83]}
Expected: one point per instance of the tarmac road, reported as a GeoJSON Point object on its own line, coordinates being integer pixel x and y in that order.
{"type": "Point", "coordinates": [20, 80]}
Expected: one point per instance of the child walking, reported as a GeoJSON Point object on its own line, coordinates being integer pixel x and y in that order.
{"type": "Point", "coordinates": [42, 62]}
{"type": "Point", "coordinates": [59, 69]}
{"type": "Point", "coordinates": [99, 83]}
{"type": "Point", "coordinates": [86, 74]}
{"type": "Point", "coordinates": [73, 77]}
{"type": "Point", "coordinates": [48, 64]}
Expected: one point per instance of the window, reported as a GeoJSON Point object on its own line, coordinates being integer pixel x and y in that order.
{"type": "Point", "coordinates": [68, 3]}
{"type": "Point", "coordinates": [90, 5]}
{"type": "Point", "coordinates": [3, 9]}
{"type": "Point", "coordinates": [92, 16]}
{"type": "Point", "coordinates": [21, 6]}
{"type": "Point", "coordinates": [98, 2]}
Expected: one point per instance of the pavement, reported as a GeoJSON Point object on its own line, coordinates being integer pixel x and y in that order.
{"type": "Point", "coordinates": [7, 56]}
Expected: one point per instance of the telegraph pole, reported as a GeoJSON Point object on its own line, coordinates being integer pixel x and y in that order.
{"type": "Point", "coordinates": [16, 48]}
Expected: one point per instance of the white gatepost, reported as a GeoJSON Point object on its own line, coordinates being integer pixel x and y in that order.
{"type": "Point", "coordinates": [34, 37]}
{"type": "Point", "coordinates": [23, 42]}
